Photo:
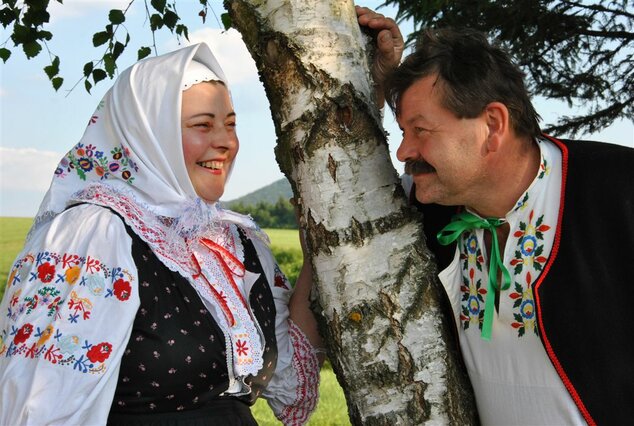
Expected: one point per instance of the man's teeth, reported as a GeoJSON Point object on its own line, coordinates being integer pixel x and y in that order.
{"type": "Point", "coordinates": [215, 165]}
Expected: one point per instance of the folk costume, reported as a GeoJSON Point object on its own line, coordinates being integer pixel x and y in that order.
{"type": "Point", "coordinates": [133, 300]}
{"type": "Point", "coordinates": [560, 349]}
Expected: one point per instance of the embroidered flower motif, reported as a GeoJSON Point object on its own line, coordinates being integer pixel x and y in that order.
{"type": "Point", "coordinates": [46, 272]}
{"type": "Point", "coordinates": [23, 333]}
{"type": "Point", "coordinates": [473, 256]}
{"type": "Point", "coordinates": [95, 284]}
{"type": "Point", "coordinates": [46, 334]}
{"type": "Point", "coordinates": [525, 318]}
{"type": "Point", "coordinates": [280, 279]}
{"type": "Point", "coordinates": [472, 301]}
{"type": "Point", "coordinates": [85, 160]}
{"type": "Point", "coordinates": [69, 344]}
{"type": "Point", "coordinates": [530, 245]}
{"type": "Point", "coordinates": [122, 289]}
{"type": "Point", "coordinates": [99, 352]}
{"type": "Point", "coordinates": [72, 274]}
{"type": "Point", "coordinates": [544, 169]}
{"type": "Point", "coordinates": [79, 305]}
{"type": "Point", "coordinates": [241, 348]}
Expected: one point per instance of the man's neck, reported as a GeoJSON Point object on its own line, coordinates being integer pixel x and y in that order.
{"type": "Point", "coordinates": [512, 172]}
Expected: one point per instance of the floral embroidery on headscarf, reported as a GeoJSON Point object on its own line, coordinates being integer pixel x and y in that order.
{"type": "Point", "coordinates": [88, 159]}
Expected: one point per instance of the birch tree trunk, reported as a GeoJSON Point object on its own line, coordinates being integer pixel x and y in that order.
{"type": "Point", "coordinates": [376, 295]}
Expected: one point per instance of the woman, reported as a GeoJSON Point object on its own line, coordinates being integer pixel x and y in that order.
{"type": "Point", "coordinates": [137, 299]}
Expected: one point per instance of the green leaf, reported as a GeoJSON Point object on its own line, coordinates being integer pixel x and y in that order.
{"type": "Point", "coordinates": [156, 22]}
{"type": "Point", "coordinates": [109, 64]}
{"type": "Point", "coordinates": [7, 16]}
{"type": "Point", "coordinates": [4, 54]}
{"type": "Point", "coordinates": [143, 52]}
{"type": "Point", "coordinates": [44, 35]}
{"type": "Point", "coordinates": [53, 69]}
{"type": "Point", "coordinates": [100, 38]}
{"type": "Point", "coordinates": [159, 5]}
{"type": "Point", "coordinates": [57, 82]}
{"type": "Point", "coordinates": [88, 68]}
{"type": "Point", "coordinates": [226, 20]}
{"type": "Point", "coordinates": [98, 74]}
{"type": "Point", "coordinates": [170, 19]}
{"type": "Point", "coordinates": [21, 34]}
{"type": "Point", "coordinates": [32, 49]}
{"type": "Point", "coordinates": [182, 30]}
{"type": "Point", "coordinates": [117, 50]}
{"type": "Point", "coordinates": [87, 85]}
{"type": "Point", "coordinates": [116, 16]}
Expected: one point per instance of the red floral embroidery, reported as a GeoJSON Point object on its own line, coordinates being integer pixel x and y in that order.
{"type": "Point", "coordinates": [23, 333]}
{"type": "Point", "coordinates": [242, 348]}
{"type": "Point", "coordinates": [46, 272]}
{"type": "Point", "coordinates": [99, 352]}
{"type": "Point", "coordinates": [280, 281]}
{"type": "Point", "coordinates": [122, 289]}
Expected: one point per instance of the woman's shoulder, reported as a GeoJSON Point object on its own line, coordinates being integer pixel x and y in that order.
{"type": "Point", "coordinates": [84, 223]}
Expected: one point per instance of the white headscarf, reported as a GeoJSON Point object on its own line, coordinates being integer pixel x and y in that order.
{"type": "Point", "coordinates": [130, 157]}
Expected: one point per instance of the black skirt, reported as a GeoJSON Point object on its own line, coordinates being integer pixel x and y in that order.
{"type": "Point", "coordinates": [221, 412]}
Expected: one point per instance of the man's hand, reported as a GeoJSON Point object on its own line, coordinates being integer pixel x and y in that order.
{"type": "Point", "coordinates": [390, 45]}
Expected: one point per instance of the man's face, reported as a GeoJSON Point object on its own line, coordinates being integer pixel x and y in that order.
{"type": "Point", "coordinates": [443, 153]}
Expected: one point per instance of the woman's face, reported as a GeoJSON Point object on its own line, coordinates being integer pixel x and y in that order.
{"type": "Point", "coordinates": [210, 143]}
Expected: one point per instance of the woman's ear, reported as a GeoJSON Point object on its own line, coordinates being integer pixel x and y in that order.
{"type": "Point", "coordinates": [496, 115]}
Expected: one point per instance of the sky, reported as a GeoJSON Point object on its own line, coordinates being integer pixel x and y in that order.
{"type": "Point", "coordinates": [38, 125]}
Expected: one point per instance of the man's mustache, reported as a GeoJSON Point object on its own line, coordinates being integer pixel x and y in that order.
{"type": "Point", "coordinates": [418, 167]}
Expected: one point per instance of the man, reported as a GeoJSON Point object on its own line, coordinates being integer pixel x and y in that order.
{"type": "Point", "coordinates": [540, 279]}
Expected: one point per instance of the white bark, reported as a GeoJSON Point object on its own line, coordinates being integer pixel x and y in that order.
{"type": "Point", "coordinates": [376, 295]}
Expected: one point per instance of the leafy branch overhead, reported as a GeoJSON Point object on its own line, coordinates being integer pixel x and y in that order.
{"type": "Point", "coordinates": [577, 51]}
{"type": "Point", "coordinates": [29, 18]}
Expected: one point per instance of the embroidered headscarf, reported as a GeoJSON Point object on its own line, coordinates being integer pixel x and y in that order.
{"type": "Point", "coordinates": [131, 160]}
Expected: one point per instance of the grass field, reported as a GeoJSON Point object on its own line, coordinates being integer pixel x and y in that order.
{"type": "Point", "coordinates": [331, 410]}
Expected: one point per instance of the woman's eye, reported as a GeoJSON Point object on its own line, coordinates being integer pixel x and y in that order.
{"type": "Point", "coordinates": [203, 125]}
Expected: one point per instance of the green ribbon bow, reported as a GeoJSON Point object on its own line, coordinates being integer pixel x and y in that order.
{"type": "Point", "coordinates": [466, 221]}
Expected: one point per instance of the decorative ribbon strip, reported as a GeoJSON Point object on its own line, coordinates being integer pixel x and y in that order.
{"type": "Point", "coordinates": [223, 303]}
{"type": "Point", "coordinates": [230, 265]}
{"type": "Point", "coordinates": [222, 267]}
{"type": "Point", "coordinates": [466, 221]}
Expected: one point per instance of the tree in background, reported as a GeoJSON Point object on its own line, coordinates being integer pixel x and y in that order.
{"type": "Point", "coordinates": [580, 52]}
{"type": "Point", "coordinates": [280, 215]}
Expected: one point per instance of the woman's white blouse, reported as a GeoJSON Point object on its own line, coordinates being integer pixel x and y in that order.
{"type": "Point", "coordinates": [67, 315]}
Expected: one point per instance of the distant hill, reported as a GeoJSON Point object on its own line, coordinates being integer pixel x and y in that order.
{"type": "Point", "coordinates": [268, 194]}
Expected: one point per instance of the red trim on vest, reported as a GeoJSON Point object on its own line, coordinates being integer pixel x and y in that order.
{"type": "Point", "coordinates": [553, 255]}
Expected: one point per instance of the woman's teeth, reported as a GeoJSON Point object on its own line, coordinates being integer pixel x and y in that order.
{"type": "Point", "coordinates": [214, 165]}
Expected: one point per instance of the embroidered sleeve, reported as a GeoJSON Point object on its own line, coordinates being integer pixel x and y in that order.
{"type": "Point", "coordinates": [304, 370]}
{"type": "Point", "coordinates": [65, 319]}
{"type": "Point", "coordinates": [293, 390]}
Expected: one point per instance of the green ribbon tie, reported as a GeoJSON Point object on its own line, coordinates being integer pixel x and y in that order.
{"type": "Point", "coordinates": [466, 221]}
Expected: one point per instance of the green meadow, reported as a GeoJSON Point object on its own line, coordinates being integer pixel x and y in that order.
{"type": "Point", "coordinates": [331, 410]}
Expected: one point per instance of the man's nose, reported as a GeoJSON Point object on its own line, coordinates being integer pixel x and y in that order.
{"type": "Point", "coordinates": [405, 151]}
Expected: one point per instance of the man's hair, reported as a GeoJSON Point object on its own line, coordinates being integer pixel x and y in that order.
{"type": "Point", "coordinates": [471, 74]}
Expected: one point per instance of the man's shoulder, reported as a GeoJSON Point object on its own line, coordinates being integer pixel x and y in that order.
{"type": "Point", "coordinates": [594, 159]}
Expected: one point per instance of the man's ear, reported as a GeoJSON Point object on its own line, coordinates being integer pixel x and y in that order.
{"type": "Point", "coordinates": [496, 115]}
